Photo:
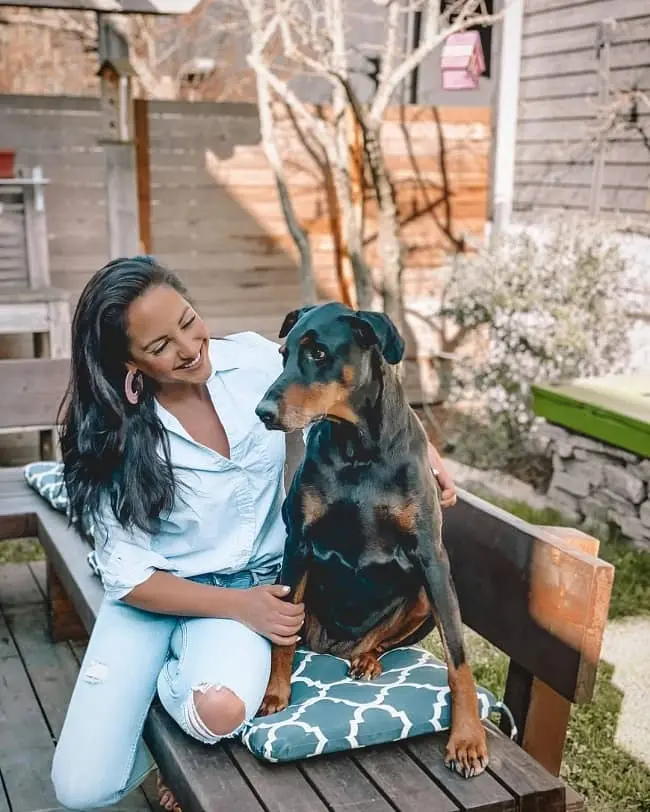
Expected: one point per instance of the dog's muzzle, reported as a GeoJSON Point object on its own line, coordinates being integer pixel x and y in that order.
{"type": "Point", "coordinates": [268, 412]}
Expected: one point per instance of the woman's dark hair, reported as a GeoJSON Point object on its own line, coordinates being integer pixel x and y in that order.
{"type": "Point", "coordinates": [114, 453]}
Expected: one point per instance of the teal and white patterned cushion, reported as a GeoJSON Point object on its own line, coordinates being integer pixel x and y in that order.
{"type": "Point", "coordinates": [46, 478]}
{"type": "Point", "coordinates": [330, 712]}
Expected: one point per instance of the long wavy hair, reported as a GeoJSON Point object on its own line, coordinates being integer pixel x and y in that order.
{"type": "Point", "coordinates": [114, 454]}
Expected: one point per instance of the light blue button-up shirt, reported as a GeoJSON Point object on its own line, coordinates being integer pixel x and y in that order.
{"type": "Point", "coordinates": [227, 512]}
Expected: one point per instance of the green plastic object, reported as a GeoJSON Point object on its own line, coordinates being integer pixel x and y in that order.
{"type": "Point", "coordinates": [614, 409]}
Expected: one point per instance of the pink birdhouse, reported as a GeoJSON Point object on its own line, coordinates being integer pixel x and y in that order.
{"type": "Point", "coordinates": [462, 61]}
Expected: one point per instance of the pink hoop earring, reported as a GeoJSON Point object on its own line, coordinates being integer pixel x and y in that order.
{"type": "Point", "coordinates": [133, 387]}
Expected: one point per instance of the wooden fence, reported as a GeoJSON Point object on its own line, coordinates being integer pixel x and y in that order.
{"type": "Point", "coordinates": [215, 217]}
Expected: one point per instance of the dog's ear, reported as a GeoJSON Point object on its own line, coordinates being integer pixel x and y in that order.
{"type": "Point", "coordinates": [377, 328]}
{"type": "Point", "coordinates": [291, 319]}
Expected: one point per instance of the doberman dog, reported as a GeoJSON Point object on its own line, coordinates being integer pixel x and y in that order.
{"type": "Point", "coordinates": [364, 549]}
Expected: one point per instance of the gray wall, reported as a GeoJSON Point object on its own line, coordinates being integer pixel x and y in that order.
{"type": "Point", "coordinates": [559, 118]}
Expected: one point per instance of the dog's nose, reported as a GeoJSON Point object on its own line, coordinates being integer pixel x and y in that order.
{"type": "Point", "coordinates": [268, 413]}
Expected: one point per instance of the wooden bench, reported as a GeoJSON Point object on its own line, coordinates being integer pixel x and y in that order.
{"type": "Point", "coordinates": [540, 595]}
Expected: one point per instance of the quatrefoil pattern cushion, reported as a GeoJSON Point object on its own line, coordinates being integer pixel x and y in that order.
{"type": "Point", "coordinates": [330, 712]}
{"type": "Point", "coordinates": [46, 478]}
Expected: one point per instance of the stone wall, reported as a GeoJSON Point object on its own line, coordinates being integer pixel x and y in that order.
{"type": "Point", "coordinates": [598, 485]}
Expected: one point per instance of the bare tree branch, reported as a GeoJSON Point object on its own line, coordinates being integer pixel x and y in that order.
{"type": "Point", "coordinates": [260, 36]}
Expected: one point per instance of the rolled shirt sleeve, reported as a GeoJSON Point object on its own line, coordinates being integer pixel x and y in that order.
{"type": "Point", "coordinates": [124, 558]}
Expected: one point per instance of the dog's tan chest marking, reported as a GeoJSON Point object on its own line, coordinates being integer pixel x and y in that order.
{"type": "Point", "coordinates": [313, 507]}
{"type": "Point", "coordinates": [402, 514]}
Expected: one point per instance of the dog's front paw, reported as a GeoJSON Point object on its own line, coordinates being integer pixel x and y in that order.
{"type": "Point", "coordinates": [274, 701]}
{"type": "Point", "coordinates": [365, 666]}
{"type": "Point", "coordinates": [466, 751]}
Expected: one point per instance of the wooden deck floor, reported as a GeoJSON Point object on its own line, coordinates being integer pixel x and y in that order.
{"type": "Point", "coordinates": [36, 680]}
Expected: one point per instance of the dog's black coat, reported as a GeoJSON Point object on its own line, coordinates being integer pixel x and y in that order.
{"type": "Point", "coordinates": [362, 515]}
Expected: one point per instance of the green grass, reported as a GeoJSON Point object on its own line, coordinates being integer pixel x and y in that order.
{"type": "Point", "coordinates": [20, 551]}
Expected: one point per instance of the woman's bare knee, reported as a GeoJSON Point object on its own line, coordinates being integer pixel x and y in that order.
{"type": "Point", "coordinates": [220, 710]}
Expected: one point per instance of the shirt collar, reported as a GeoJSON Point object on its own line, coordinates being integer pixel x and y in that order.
{"type": "Point", "coordinates": [224, 355]}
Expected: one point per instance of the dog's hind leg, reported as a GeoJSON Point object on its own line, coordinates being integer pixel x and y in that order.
{"type": "Point", "coordinates": [404, 624]}
{"type": "Point", "coordinates": [467, 746]}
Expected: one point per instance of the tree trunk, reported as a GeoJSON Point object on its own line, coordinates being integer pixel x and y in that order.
{"type": "Point", "coordinates": [298, 233]}
{"type": "Point", "coordinates": [390, 247]}
{"type": "Point", "coordinates": [351, 221]}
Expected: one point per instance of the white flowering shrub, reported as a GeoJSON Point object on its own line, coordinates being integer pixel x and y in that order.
{"type": "Point", "coordinates": [552, 306]}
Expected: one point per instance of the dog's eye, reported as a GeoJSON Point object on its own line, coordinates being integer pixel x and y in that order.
{"type": "Point", "coordinates": [318, 354]}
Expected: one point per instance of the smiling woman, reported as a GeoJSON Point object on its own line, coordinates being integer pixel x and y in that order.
{"type": "Point", "coordinates": [161, 446]}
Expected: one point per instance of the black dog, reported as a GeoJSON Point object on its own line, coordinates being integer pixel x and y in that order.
{"type": "Point", "coordinates": [364, 549]}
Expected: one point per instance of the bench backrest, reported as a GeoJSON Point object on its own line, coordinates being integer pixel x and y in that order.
{"type": "Point", "coordinates": [32, 389]}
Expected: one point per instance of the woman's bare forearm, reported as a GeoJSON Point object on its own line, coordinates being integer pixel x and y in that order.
{"type": "Point", "coordinates": [168, 594]}
{"type": "Point", "coordinates": [262, 608]}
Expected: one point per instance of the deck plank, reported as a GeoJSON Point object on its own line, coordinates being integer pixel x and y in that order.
{"type": "Point", "coordinates": [49, 669]}
{"type": "Point", "coordinates": [39, 573]}
{"type": "Point", "coordinates": [51, 666]}
{"type": "Point", "coordinates": [483, 793]}
{"type": "Point", "coordinates": [402, 781]}
{"type": "Point", "coordinates": [533, 787]}
{"type": "Point", "coordinates": [338, 779]}
{"type": "Point", "coordinates": [280, 787]}
{"type": "Point", "coordinates": [4, 801]}
{"type": "Point", "coordinates": [18, 587]}
{"type": "Point", "coordinates": [26, 746]}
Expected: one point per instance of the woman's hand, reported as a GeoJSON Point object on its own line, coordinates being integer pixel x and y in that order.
{"type": "Point", "coordinates": [263, 609]}
{"type": "Point", "coordinates": [448, 496]}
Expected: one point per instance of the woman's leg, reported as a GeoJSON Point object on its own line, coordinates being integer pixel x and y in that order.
{"type": "Point", "coordinates": [216, 677]}
{"type": "Point", "coordinates": [100, 756]}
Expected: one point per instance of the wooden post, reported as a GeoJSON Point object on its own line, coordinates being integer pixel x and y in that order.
{"type": "Point", "coordinates": [122, 200]}
{"type": "Point", "coordinates": [546, 726]}
{"type": "Point", "coordinates": [604, 50]}
{"type": "Point", "coordinates": [116, 104]}
{"type": "Point", "coordinates": [63, 620]}
{"type": "Point", "coordinates": [541, 716]}
{"type": "Point", "coordinates": [355, 171]}
{"type": "Point", "coordinates": [38, 255]}
{"type": "Point", "coordinates": [143, 172]}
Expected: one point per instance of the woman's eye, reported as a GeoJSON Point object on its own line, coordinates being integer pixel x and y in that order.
{"type": "Point", "coordinates": [159, 349]}
{"type": "Point", "coordinates": [188, 323]}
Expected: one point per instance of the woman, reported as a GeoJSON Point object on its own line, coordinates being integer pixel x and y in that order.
{"type": "Point", "coordinates": [162, 449]}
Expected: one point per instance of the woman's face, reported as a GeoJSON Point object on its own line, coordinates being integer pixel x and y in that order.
{"type": "Point", "coordinates": [168, 340]}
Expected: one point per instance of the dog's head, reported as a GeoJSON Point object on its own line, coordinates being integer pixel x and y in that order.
{"type": "Point", "coordinates": [327, 355]}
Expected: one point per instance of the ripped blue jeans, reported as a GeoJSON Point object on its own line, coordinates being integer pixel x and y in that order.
{"type": "Point", "coordinates": [100, 756]}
